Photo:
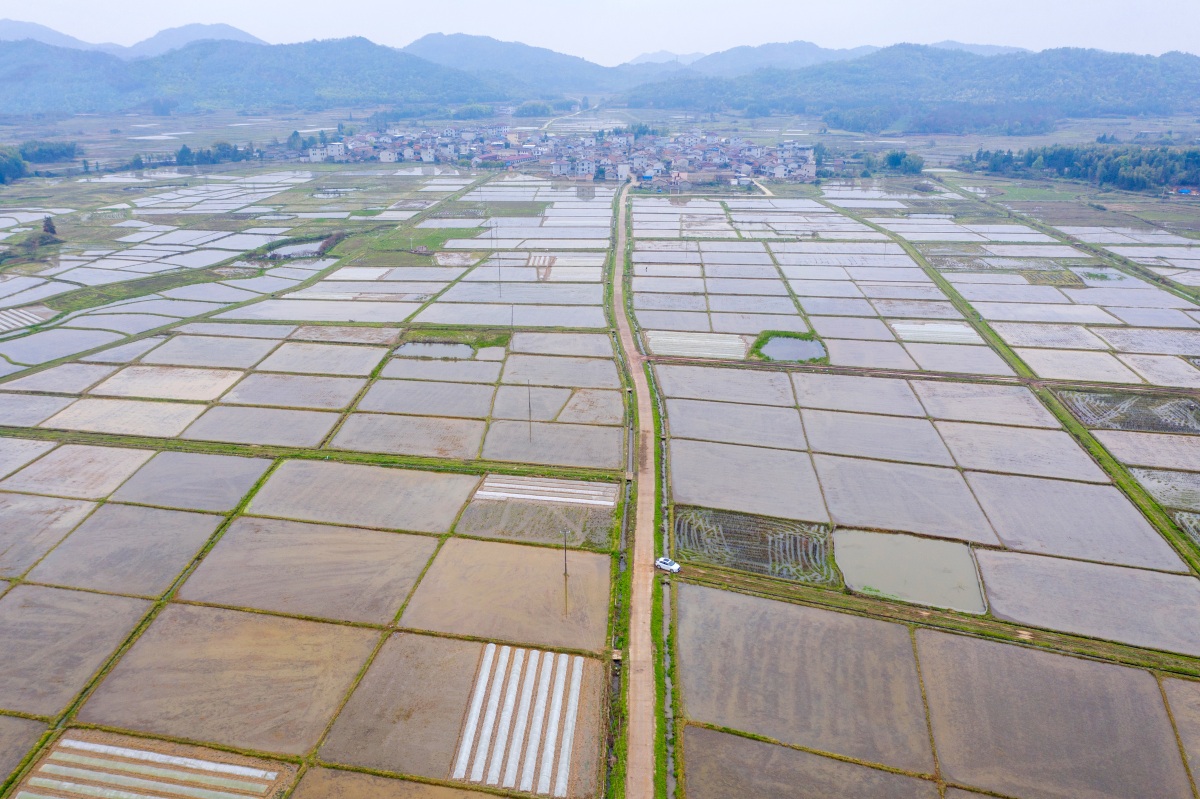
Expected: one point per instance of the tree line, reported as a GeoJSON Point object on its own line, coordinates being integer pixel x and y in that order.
{"type": "Point", "coordinates": [219, 153]}
{"type": "Point", "coordinates": [15, 160]}
{"type": "Point", "coordinates": [1129, 167]}
{"type": "Point", "coordinates": [12, 165]}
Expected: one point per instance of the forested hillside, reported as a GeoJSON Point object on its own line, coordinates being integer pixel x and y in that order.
{"type": "Point", "coordinates": [904, 88]}
{"type": "Point", "coordinates": [922, 89]}
{"type": "Point", "coordinates": [36, 78]}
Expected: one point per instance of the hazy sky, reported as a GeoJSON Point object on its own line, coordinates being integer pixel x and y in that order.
{"type": "Point", "coordinates": [613, 31]}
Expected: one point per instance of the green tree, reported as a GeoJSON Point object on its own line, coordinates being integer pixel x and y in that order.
{"type": "Point", "coordinates": [185, 156]}
{"type": "Point", "coordinates": [533, 109]}
{"type": "Point", "coordinates": [48, 152]}
{"type": "Point", "coordinates": [912, 164]}
{"type": "Point", "coordinates": [901, 161]}
{"type": "Point", "coordinates": [137, 163]}
{"type": "Point", "coordinates": [48, 227]}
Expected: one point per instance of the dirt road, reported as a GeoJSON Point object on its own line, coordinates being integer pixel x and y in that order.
{"type": "Point", "coordinates": [639, 658]}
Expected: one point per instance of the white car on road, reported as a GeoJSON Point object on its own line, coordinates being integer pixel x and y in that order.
{"type": "Point", "coordinates": [667, 565]}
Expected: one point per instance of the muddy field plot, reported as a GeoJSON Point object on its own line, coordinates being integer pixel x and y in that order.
{"type": "Point", "coordinates": [366, 496]}
{"type": "Point", "coordinates": [264, 426]}
{"type": "Point", "coordinates": [55, 641]}
{"type": "Point", "coordinates": [514, 593]}
{"type": "Point", "coordinates": [168, 382]}
{"type": "Point", "coordinates": [752, 425]}
{"type": "Point", "coordinates": [124, 549]}
{"type": "Point", "coordinates": [237, 679]}
{"type": "Point", "coordinates": [543, 510]}
{"type": "Point", "coordinates": [1072, 321]}
{"type": "Point", "coordinates": [1098, 729]}
{"type": "Point", "coordinates": [1089, 522]}
{"type": "Point", "coordinates": [30, 526]}
{"type": "Point", "coordinates": [78, 471]}
{"type": "Point", "coordinates": [313, 570]}
{"type": "Point", "coordinates": [547, 398]}
{"type": "Point", "coordinates": [169, 385]}
{"type": "Point", "coordinates": [781, 671]}
{"type": "Point", "coordinates": [1134, 606]}
{"type": "Point", "coordinates": [719, 765]}
{"type": "Point", "coordinates": [429, 437]}
{"type": "Point", "coordinates": [501, 716]}
{"type": "Point", "coordinates": [769, 482]}
{"type": "Point", "coordinates": [987, 468]}
{"type": "Point", "coordinates": [311, 392]}
{"type": "Point", "coordinates": [17, 738]}
{"type": "Point", "coordinates": [707, 292]}
{"type": "Point", "coordinates": [193, 481]}
{"type": "Point", "coordinates": [18, 410]}
{"type": "Point", "coordinates": [869, 303]}
{"type": "Point", "coordinates": [545, 269]}
{"type": "Point", "coordinates": [320, 783]}
{"type": "Point", "coordinates": [210, 351]}
{"type": "Point", "coordinates": [126, 417]}
{"type": "Point", "coordinates": [416, 683]}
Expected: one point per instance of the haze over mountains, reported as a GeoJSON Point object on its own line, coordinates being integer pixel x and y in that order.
{"type": "Point", "coordinates": [665, 57]}
{"type": "Point", "coordinates": [948, 87]}
{"type": "Point", "coordinates": [162, 42]}
{"type": "Point", "coordinates": [441, 48]}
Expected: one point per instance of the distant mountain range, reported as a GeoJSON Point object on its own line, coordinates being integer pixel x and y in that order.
{"type": "Point", "coordinates": [162, 42]}
{"type": "Point", "coordinates": [979, 49]}
{"type": "Point", "coordinates": [666, 57]}
{"type": "Point", "coordinates": [229, 76]}
{"type": "Point", "coordinates": [540, 69]}
{"type": "Point", "coordinates": [915, 88]}
{"type": "Point", "coordinates": [947, 87]}
{"type": "Point", "coordinates": [536, 70]}
{"type": "Point", "coordinates": [781, 55]}
{"type": "Point", "coordinates": [513, 60]}
{"type": "Point", "coordinates": [789, 55]}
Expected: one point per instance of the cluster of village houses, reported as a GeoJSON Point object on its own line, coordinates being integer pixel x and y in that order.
{"type": "Point", "coordinates": [694, 157]}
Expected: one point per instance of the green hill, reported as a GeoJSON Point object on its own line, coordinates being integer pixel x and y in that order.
{"type": "Point", "coordinates": [928, 89]}
{"type": "Point", "coordinates": [39, 79]}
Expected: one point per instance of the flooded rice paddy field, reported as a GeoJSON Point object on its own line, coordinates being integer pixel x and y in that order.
{"type": "Point", "coordinates": [271, 519]}
{"type": "Point", "coordinates": [706, 285]}
{"type": "Point", "coordinates": [525, 398]}
{"type": "Point", "coordinates": [843, 703]}
{"type": "Point", "coordinates": [258, 590]}
{"type": "Point", "coordinates": [959, 495]}
{"type": "Point", "coordinates": [965, 491]}
{"type": "Point", "coordinates": [275, 523]}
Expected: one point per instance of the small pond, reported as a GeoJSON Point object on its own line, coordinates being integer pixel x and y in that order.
{"type": "Point", "coordinates": [785, 348]}
{"type": "Point", "coordinates": [435, 349]}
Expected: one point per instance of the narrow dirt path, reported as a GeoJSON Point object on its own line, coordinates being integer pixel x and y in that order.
{"type": "Point", "coordinates": [639, 658]}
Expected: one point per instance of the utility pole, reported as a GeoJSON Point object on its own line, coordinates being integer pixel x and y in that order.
{"type": "Point", "coordinates": [566, 583]}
